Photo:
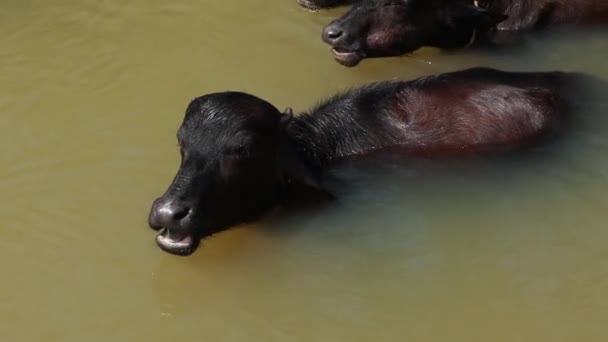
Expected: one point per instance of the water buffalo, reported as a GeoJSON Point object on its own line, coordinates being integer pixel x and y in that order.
{"type": "Point", "coordinates": [240, 156]}
{"type": "Point", "coordinates": [382, 28]}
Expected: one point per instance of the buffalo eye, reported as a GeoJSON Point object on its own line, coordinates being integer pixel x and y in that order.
{"type": "Point", "coordinates": [231, 161]}
{"type": "Point", "coordinates": [237, 151]}
{"type": "Point", "coordinates": [392, 3]}
{"type": "Point", "coordinates": [230, 165]}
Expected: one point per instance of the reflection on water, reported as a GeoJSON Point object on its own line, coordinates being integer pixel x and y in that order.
{"type": "Point", "coordinates": [92, 94]}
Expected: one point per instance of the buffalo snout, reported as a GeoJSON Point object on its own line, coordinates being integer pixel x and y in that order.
{"type": "Point", "coordinates": [168, 213]}
{"type": "Point", "coordinates": [171, 218]}
{"type": "Point", "coordinates": [346, 47]}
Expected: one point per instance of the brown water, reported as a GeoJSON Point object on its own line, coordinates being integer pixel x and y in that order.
{"type": "Point", "coordinates": [91, 95]}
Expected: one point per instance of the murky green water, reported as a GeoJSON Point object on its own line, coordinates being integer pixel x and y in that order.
{"type": "Point", "coordinates": [91, 94]}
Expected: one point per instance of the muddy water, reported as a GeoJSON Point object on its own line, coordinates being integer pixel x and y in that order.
{"type": "Point", "coordinates": [91, 94]}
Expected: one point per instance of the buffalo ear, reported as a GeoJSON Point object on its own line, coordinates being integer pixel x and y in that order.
{"type": "Point", "coordinates": [287, 113]}
{"type": "Point", "coordinates": [474, 14]}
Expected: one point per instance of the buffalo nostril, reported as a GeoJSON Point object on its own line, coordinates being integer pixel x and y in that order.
{"type": "Point", "coordinates": [180, 213]}
{"type": "Point", "coordinates": [169, 214]}
{"type": "Point", "coordinates": [332, 33]}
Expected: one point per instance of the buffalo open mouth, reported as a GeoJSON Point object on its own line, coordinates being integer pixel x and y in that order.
{"type": "Point", "coordinates": [178, 243]}
{"type": "Point", "coordinates": [348, 58]}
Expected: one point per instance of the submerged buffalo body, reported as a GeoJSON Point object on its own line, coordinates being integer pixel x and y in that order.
{"type": "Point", "coordinates": [382, 28]}
{"type": "Point", "coordinates": [240, 156]}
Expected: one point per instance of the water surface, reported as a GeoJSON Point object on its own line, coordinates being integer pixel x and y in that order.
{"type": "Point", "coordinates": [91, 95]}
